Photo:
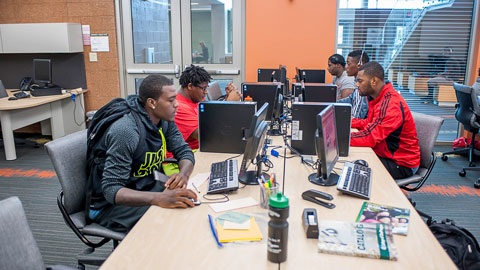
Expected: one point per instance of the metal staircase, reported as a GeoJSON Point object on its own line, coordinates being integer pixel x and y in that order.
{"type": "Point", "coordinates": [400, 25]}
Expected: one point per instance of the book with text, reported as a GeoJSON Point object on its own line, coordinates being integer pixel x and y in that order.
{"type": "Point", "coordinates": [376, 213]}
{"type": "Point", "coordinates": [372, 240]}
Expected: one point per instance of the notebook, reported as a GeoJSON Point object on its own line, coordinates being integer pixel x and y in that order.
{"type": "Point", "coordinates": [252, 234]}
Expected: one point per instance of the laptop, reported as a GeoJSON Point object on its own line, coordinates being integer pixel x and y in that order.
{"type": "Point", "coordinates": [214, 91]}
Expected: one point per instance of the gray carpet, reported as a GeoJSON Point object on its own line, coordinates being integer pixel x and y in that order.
{"type": "Point", "coordinates": [31, 178]}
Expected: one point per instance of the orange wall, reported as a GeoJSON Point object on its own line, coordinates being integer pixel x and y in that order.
{"type": "Point", "coordinates": [295, 33]}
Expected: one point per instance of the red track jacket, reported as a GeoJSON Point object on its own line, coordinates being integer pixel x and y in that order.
{"type": "Point", "coordinates": [389, 129]}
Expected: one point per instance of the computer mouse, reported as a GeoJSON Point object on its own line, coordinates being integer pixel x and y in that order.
{"type": "Point", "coordinates": [12, 98]}
{"type": "Point", "coordinates": [361, 162]}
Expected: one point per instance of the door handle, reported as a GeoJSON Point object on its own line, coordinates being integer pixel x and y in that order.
{"type": "Point", "coordinates": [223, 71]}
{"type": "Point", "coordinates": [177, 71]}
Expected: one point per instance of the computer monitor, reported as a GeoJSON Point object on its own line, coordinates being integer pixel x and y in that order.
{"type": "Point", "coordinates": [326, 148]}
{"type": "Point", "coordinates": [3, 91]}
{"type": "Point", "coordinates": [42, 72]}
{"type": "Point", "coordinates": [259, 116]}
{"type": "Point", "coordinates": [254, 150]}
{"type": "Point", "coordinates": [304, 116]}
{"type": "Point", "coordinates": [268, 74]}
{"type": "Point", "coordinates": [283, 79]}
{"type": "Point", "coordinates": [277, 113]}
{"type": "Point", "coordinates": [261, 92]}
{"type": "Point", "coordinates": [223, 125]}
{"type": "Point", "coordinates": [316, 92]}
{"type": "Point", "coordinates": [311, 75]}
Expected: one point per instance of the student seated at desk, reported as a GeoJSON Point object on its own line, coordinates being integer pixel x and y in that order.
{"type": "Point", "coordinates": [355, 60]}
{"type": "Point", "coordinates": [389, 128]}
{"type": "Point", "coordinates": [194, 82]}
{"type": "Point", "coordinates": [345, 84]}
{"type": "Point", "coordinates": [128, 187]}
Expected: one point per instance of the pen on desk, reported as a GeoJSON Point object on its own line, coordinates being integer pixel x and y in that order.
{"type": "Point", "coordinates": [214, 232]}
{"type": "Point", "coordinates": [263, 178]}
{"type": "Point", "coordinates": [195, 187]}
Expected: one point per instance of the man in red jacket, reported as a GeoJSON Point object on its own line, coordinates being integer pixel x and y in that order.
{"type": "Point", "coordinates": [389, 128]}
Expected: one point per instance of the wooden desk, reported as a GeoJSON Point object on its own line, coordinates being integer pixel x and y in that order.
{"type": "Point", "coordinates": [181, 238]}
{"type": "Point", "coordinates": [16, 114]}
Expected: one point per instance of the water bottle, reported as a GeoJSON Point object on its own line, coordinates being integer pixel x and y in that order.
{"type": "Point", "coordinates": [277, 228]}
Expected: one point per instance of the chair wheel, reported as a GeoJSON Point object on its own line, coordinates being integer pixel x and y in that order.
{"type": "Point", "coordinates": [477, 183]}
{"type": "Point", "coordinates": [462, 173]}
{"type": "Point", "coordinates": [471, 164]}
{"type": "Point", "coordinates": [444, 158]}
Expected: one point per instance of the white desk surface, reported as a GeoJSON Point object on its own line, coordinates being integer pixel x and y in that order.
{"type": "Point", "coordinates": [181, 238]}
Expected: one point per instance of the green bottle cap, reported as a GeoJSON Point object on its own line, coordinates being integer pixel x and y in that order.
{"type": "Point", "coordinates": [278, 200]}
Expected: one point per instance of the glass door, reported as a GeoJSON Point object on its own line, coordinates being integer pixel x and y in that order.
{"type": "Point", "coordinates": [152, 40]}
{"type": "Point", "coordinates": [212, 38]}
{"type": "Point", "coordinates": [165, 36]}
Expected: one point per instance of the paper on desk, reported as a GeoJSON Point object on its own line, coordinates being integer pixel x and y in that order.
{"type": "Point", "coordinates": [197, 180]}
{"type": "Point", "coordinates": [234, 217]}
{"type": "Point", "coordinates": [228, 225]}
{"type": "Point", "coordinates": [234, 204]}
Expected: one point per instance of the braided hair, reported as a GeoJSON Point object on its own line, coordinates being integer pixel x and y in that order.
{"type": "Point", "coordinates": [194, 75]}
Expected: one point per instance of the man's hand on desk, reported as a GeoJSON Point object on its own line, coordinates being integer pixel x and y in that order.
{"type": "Point", "coordinates": [177, 198]}
{"type": "Point", "coordinates": [176, 181]}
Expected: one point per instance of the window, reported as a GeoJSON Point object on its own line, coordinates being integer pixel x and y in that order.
{"type": "Point", "coordinates": [422, 45]}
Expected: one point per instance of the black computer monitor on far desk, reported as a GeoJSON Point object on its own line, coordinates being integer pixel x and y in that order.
{"type": "Point", "coordinates": [311, 75]}
{"type": "Point", "coordinates": [316, 92]}
{"type": "Point", "coordinates": [268, 74]}
{"type": "Point", "coordinates": [254, 149]}
{"type": "Point", "coordinates": [42, 73]}
{"type": "Point", "coordinates": [326, 148]}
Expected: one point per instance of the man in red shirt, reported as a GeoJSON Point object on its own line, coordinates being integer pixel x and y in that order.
{"type": "Point", "coordinates": [194, 81]}
{"type": "Point", "coordinates": [389, 128]}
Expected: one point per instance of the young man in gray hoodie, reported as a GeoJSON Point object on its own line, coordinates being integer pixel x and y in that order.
{"type": "Point", "coordinates": [128, 187]}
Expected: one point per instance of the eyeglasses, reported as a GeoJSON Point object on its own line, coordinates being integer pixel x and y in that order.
{"type": "Point", "coordinates": [203, 88]}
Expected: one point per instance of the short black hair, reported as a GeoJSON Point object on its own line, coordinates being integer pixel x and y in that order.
{"type": "Point", "coordinates": [152, 87]}
{"type": "Point", "coordinates": [337, 59]}
{"type": "Point", "coordinates": [194, 75]}
{"type": "Point", "coordinates": [373, 69]}
{"type": "Point", "coordinates": [360, 53]}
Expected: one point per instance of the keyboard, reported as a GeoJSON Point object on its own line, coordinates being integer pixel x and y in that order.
{"type": "Point", "coordinates": [355, 180]}
{"type": "Point", "coordinates": [223, 177]}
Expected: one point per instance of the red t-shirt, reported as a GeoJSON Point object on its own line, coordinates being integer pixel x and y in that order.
{"type": "Point", "coordinates": [187, 119]}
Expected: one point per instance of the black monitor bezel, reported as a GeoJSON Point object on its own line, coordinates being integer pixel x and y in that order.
{"type": "Point", "coordinates": [35, 79]}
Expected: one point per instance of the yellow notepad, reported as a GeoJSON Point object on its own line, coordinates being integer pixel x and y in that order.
{"type": "Point", "coordinates": [253, 234]}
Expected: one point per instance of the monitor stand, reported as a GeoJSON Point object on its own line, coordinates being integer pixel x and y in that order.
{"type": "Point", "coordinates": [251, 177]}
{"type": "Point", "coordinates": [275, 129]}
{"type": "Point", "coordinates": [318, 179]}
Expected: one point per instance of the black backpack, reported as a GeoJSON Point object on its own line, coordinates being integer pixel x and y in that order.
{"type": "Point", "coordinates": [100, 123]}
{"type": "Point", "coordinates": [458, 242]}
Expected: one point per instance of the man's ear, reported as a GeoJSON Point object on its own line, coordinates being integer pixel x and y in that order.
{"type": "Point", "coordinates": [190, 86]}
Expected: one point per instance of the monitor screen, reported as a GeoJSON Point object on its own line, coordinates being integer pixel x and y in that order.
{"type": "Point", "coordinates": [277, 110]}
{"type": "Point", "coordinates": [328, 137]}
{"type": "Point", "coordinates": [326, 148]}
{"type": "Point", "coordinates": [42, 70]}
{"type": "Point", "coordinates": [261, 92]}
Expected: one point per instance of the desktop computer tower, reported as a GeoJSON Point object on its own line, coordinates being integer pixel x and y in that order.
{"type": "Point", "coordinates": [316, 92]}
{"type": "Point", "coordinates": [222, 125]}
{"type": "Point", "coordinates": [261, 92]}
{"type": "Point", "coordinates": [303, 126]}
{"type": "Point", "coordinates": [265, 74]}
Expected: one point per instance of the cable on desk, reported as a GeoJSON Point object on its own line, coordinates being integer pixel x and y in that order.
{"type": "Point", "coordinates": [233, 157]}
{"type": "Point", "coordinates": [223, 199]}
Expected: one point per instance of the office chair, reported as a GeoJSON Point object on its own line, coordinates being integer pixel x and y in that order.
{"type": "Point", "coordinates": [68, 155]}
{"type": "Point", "coordinates": [468, 113]}
{"type": "Point", "coordinates": [18, 248]}
{"type": "Point", "coordinates": [427, 131]}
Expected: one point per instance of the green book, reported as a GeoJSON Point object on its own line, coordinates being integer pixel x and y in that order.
{"type": "Point", "coordinates": [398, 218]}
